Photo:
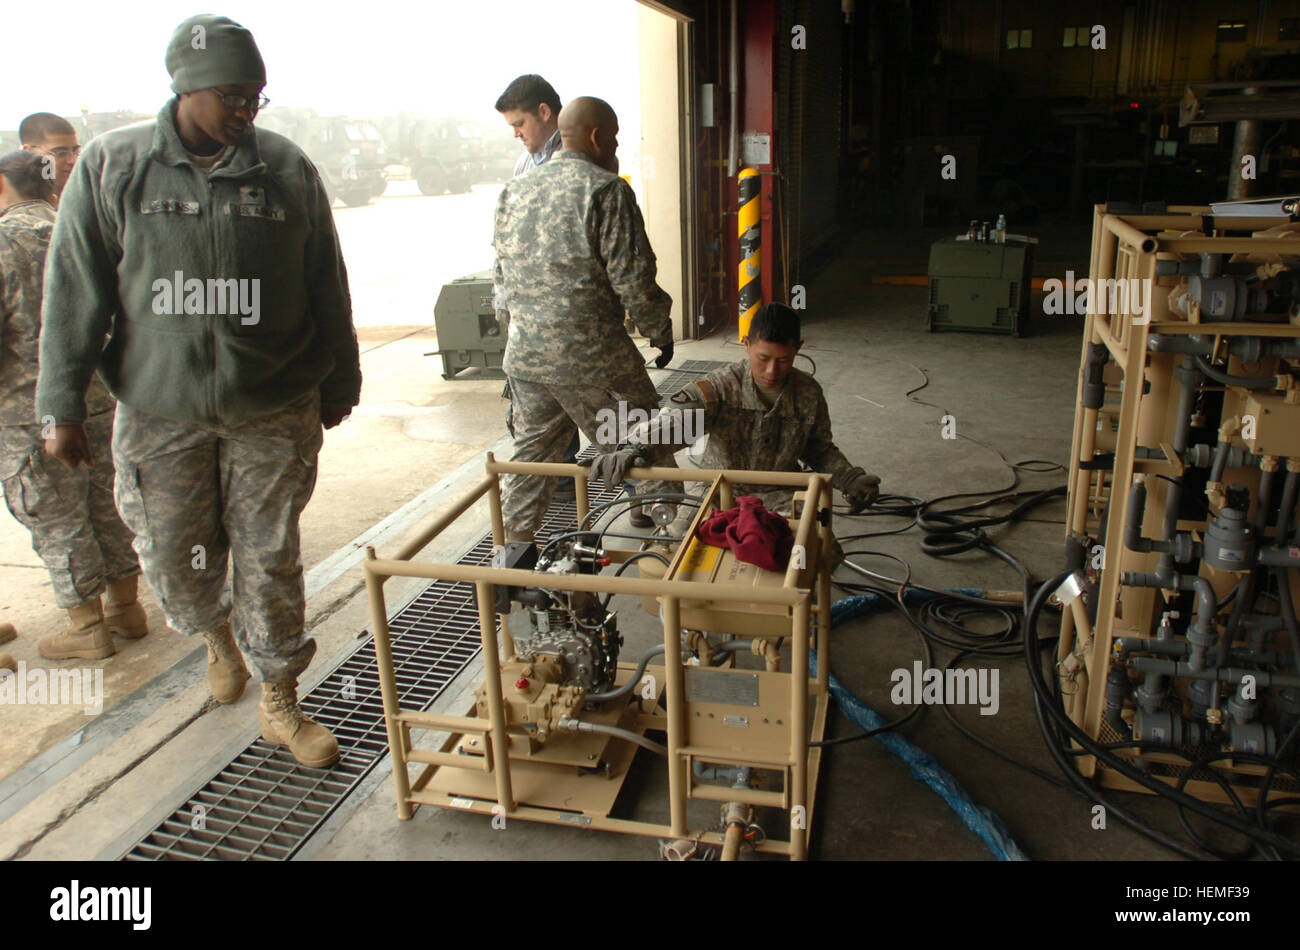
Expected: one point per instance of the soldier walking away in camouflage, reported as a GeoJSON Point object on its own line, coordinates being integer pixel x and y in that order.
{"type": "Point", "coordinates": [531, 107]}
{"type": "Point", "coordinates": [232, 343]}
{"type": "Point", "coordinates": [572, 256]}
{"type": "Point", "coordinates": [760, 414]}
{"type": "Point", "coordinates": [74, 525]}
{"type": "Point", "coordinates": [54, 137]}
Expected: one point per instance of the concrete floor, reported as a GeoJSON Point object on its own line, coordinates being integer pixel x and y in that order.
{"type": "Point", "coordinates": [100, 787]}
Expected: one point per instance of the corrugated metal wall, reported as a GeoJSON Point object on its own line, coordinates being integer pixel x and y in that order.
{"type": "Point", "coordinates": [809, 125]}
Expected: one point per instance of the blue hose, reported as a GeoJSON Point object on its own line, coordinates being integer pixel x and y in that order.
{"type": "Point", "coordinates": [984, 822]}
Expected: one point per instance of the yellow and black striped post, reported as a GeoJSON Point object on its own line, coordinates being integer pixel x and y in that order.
{"type": "Point", "coordinates": [751, 239]}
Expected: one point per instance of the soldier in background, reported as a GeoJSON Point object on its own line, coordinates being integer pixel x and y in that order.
{"type": "Point", "coordinates": [220, 407]}
{"type": "Point", "coordinates": [531, 107]}
{"type": "Point", "coordinates": [760, 414]}
{"type": "Point", "coordinates": [54, 136]}
{"type": "Point", "coordinates": [572, 256]}
{"type": "Point", "coordinates": [74, 525]}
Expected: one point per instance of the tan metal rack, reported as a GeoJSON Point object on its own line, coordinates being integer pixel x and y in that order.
{"type": "Point", "coordinates": [484, 768]}
{"type": "Point", "coordinates": [1138, 422]}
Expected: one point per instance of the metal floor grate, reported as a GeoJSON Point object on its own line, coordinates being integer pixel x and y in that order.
{"type": "Point", "coordinates": [686, 372]}
{"type": "Point", "coordinates": [263, 806]}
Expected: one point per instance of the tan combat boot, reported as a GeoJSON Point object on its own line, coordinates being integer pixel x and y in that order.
{"type": "Point", "coordinates": [227, 673]}
{"type": "Point", "coordinates": [7, 633]}
{"type": "Point", "coordinates": [123, 614]}
{"type": "Point", "coordinates": [284, 723]}
{"type": "Point", "coordinates": [85, 639]}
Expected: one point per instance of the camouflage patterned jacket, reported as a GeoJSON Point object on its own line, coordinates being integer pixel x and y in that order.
{"type": "Point", "coordinates": [572, 256]}
{"type": "Point", "coordinates": [745, 434]}
{"type": "Point", "coordinates": [25, 231]}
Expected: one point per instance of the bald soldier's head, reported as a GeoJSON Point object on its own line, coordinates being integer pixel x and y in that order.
{"type": "Point", "coordinates": [589, 125]}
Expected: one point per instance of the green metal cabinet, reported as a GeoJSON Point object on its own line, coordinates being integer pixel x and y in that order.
{"type": "Point", "coordinates": [468, 334]}
{"type": "Point", "coordinates": [980, 287]}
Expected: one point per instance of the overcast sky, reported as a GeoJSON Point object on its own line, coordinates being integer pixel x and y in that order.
{"type": "Point", "coordinates": [442, 58]}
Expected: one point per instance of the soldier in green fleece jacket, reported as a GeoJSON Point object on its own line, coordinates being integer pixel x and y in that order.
{"type": "Point", "coordinates": [204, 252]}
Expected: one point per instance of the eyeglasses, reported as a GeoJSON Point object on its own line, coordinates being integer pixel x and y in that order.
{"type": "Point", "coordinates": [63, 151]}
{"type": "Point", "coordinates": [242, 102]}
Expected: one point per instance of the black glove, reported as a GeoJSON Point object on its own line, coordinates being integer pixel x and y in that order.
{"type": "Point", "coordinates": [665, 355]}
{"type": "Point", "coordinates": [611, 467]}
{"type": "Point", "coordinates": [861, 490]}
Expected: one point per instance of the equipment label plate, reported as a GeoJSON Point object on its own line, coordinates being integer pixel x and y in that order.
{"type": "Point", "coordinates": [715, 686]}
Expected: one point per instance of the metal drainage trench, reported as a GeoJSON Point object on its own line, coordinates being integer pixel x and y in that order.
{"type": "Point", "coordinates": [264, 806]}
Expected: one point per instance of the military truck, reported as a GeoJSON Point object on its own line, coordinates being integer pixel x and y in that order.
{"type": "Point", "coordinates": [89, 124]}
{"type": "Point", "coordinates": [442, 155]}
{"type": "Point", "coordinates": [348, 153]}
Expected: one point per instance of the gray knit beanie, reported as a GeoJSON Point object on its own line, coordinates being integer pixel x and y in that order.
{"type": "Point", "coordinates": [208, 51]}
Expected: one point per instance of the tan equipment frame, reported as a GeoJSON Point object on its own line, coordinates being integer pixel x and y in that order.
{"type": "Point", "coordinates": [800, 600]}
{"type": "Point", "coordinates": [1139, 411]}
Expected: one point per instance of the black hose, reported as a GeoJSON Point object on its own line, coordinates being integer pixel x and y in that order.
{"type": "Point", "coordinates": [630, 685]}
{"type": "Point", "coordinates": [1288, 611]}
{"type": "Point", "coordinates": [1227, 379]}
{"type": "Point", "coordinates": [1086, 788]}
{"type": "Point", "coordinates": [1287, 506]}
{"type": "Point", "coordinates": [1115, 762]}
{"type": "Point", "coordinates": [907, 716]}
{"type": "Point", "coordinates": [604, 604]}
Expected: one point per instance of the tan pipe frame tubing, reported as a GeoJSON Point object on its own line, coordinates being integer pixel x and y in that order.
{"type": "Point", "coordinates": [1123, 249]}
{"type": "Point", "coordinates": [798, 600]}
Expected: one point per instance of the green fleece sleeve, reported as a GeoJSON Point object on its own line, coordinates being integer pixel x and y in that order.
{"type": "Point", "coordinates": [80, 292]}
{"type": "Point", "coordinates": [330, 300]}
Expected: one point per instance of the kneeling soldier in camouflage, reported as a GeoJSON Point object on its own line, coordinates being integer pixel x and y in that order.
{"type": "Point", "coordinates": [760, 414]}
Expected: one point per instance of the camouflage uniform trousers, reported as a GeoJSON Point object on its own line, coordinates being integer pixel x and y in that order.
{"type": "Point", "coordinates": [570, 454]}
{"type": "Point", "coordinates": [198, 495]}
{"type": "Point", "coordinates": [544, 417]}
{"type": "Point", "coordinates": [75, 527]}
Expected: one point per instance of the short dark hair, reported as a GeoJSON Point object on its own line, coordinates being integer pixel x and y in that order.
{"type": "Point", "coordinates": [776, 323]}
{"type": "Point", "coordinates": [25, 172]}
{"type": "Point", "coordinates": [527, 93]}
{"type": "Point", "coordinates": [39, 126]}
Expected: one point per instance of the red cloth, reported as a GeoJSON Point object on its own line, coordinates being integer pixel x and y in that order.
{"type": "Point", "coordinates": [714, 528]}
{"type": "Point", "coordinates": [756, 535]}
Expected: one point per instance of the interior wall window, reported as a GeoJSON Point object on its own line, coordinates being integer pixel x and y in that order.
{"type": "Point", "coordinates": [1077, 36]}
{"type": "Point", "coordinates": [1020, 39]}
{"type": "Point", "coordinates": [1231, 31]}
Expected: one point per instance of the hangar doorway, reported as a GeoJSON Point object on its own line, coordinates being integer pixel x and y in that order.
{"type": "Point", "coordinates": [667, 155]}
